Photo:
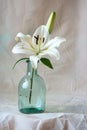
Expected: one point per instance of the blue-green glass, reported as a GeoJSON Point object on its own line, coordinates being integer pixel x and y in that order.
{"type": "Point", "coordinates": [31, 92]}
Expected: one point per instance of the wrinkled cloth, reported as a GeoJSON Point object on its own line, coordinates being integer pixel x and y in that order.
{"type": "Point", "coordinates": [57, 121]}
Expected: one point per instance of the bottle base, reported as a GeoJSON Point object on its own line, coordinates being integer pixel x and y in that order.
{"type": "Point", "coordinates": [31, 110]}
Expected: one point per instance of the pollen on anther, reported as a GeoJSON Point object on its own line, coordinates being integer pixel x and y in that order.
{"type": "Point", "coordinates": [37, 38]}
{"type": "Point", "coordinates": [43, 39]}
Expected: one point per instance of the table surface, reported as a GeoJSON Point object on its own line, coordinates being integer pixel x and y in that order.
{"type": "Point", "coordinates": [45, 121]}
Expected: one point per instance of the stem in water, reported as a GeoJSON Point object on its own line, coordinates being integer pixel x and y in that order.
{"type": "Point", "coordinates": [31, 86]}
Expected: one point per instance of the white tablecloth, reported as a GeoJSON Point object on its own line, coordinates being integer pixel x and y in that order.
{"type": "Point", "coordinates": [55, 121]}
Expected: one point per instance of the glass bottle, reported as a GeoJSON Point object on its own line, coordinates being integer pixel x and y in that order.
{"type": "Point", "coordinates": [31, 92]}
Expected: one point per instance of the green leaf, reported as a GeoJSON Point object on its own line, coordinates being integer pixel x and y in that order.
{"type": "Point", "coordinates": [19, 61]}
{"type": "Point", "coordinates": [46, 62]}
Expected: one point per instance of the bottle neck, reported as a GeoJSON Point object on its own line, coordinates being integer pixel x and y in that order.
{"type": "Point", "coordinates": [30, 69]}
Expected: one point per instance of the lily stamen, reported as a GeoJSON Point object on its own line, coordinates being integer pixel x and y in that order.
{"type": "Point", "coordinates": [37, 38]}
{"type": "Point", "coordinates": [43, 39]}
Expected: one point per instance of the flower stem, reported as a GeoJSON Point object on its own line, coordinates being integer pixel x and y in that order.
{"type": "Point", "coordinates": [31, 86]}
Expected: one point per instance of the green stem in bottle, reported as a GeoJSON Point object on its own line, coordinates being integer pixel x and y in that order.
{"type": "Point", "coordinates": [51, 21]}
{"type": "Point", "coordinates": [31, 86]}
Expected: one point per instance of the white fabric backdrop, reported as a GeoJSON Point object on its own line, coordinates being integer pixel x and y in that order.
{"type": "Point", "coordinates": [67, 83]}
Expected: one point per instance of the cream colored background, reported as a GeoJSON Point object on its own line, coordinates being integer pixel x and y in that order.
{"type": "Point", "coordinates": [67, 83]}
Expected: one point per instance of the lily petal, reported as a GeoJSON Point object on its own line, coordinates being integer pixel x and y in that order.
{"type": "Point", "coordinates": [52, 52]}
{"type": "Point", "coordinates": [55, 42]}
{"type": "Point", "coordinates": [42, 31]}
{"type": "Point", "coordinates": [34, 60]}
{"type": "Point", "coordinates": [22, 48]}
{"type": "Point", "coordinates": [24, 38]}
{"type": "Point", "coordinates": [28, 40]}
{"type": "Point", "coordinates": [19, 36]}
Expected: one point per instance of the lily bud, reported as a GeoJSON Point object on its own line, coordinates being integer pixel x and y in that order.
{"type": "Point", "coordinates": [51, 21]}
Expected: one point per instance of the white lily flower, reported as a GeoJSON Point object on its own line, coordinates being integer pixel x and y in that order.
{"type": "Point", "coordinates": [38, 45]}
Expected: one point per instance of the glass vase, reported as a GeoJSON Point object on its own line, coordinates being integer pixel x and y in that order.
{"type": "Point", "coordinates": [31, 92]}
